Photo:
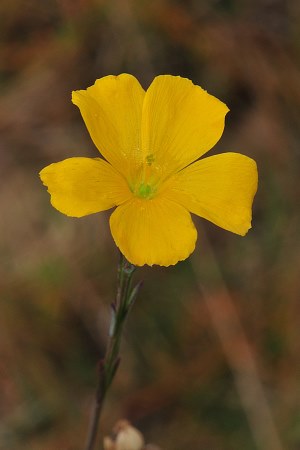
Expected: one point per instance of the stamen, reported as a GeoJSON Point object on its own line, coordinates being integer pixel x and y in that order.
{"type": "Point", "coordinates": [150, 159]}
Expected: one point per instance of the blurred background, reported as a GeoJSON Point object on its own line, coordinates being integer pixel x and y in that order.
{"type": "Point", "coordinates": [212, 347]}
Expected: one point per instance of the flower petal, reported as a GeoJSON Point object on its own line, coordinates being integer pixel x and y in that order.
{"type": "Point", "coordinates": [220, 188]}
{"type": "Point", "coordinates": [156, 231]}
{"type": "Point", "coordinates": [82, 186]}
{"type": "Point", "coordinates": [180, 123]}
{"type": "Point", "coordinates": [112, 110]}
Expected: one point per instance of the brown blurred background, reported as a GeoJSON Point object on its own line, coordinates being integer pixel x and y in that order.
{"type": "Point", "coordinates": [211, 350]}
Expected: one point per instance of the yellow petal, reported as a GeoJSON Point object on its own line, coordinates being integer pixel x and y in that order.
{"type": "Point", "coordinates": [220, 188]}
{"type": "Point", "coordinates": [180, 123]}
{"type": "Point", "coordinates": [82, 186]}
{"type": "Point", "coordinates": [112, 110]}
{"type": "Point", "coordinates": [156, 231]}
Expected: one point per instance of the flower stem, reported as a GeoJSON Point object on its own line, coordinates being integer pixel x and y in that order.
{"type": "Point", "coordinates": [108, 366]}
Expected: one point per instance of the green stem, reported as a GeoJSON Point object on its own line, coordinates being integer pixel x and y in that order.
{"type": "Point", "coordinates": [109, 365]}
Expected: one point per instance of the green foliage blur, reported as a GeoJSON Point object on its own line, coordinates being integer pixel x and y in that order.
{"type": "Point", "coordinates": [58, 274]}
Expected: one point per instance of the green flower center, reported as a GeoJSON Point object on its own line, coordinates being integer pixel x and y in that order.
{"type": "Point", "coordinates": [145, 190]}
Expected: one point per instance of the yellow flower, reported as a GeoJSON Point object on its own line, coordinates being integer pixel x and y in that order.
{"type": "Point", "coordinates": [151, 143]}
